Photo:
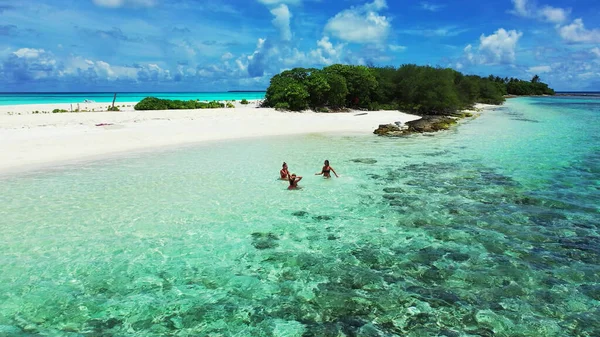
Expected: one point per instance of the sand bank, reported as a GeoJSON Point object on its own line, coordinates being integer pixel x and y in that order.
{"type": "Point", "coordinates": [31, 140]}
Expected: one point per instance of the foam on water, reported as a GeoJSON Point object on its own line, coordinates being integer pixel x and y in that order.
{"type": "Point", "coordinates": [490, 229]}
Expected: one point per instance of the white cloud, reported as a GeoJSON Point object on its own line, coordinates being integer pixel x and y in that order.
{"type": "Point", "coordinates": [361, 24]}
{"type": "Point", "coordinates": [442, 31]}
{"type": "Point", "coordinates": [527, 9]}
{"type": "Point", "coordinates": [497, 48]}
{"type": "Point", "coordinates": [553, 14]}
{"type": "Point", "coordinates": [430, 6]}
{"type": "Point", "coordinates": [577, 33]}
{"type": "Point", "coordinates": [227, 56]}
{"type": "Point", "coordinates": [277, 2]}
{"type": "Point", "coordinates": [596, 51]}
{"type": "Point", "coordinates": [397, 48]}
{"type": "Point", "coordinates": [29, 53]}
{"type": "Point", "coordinates": [539, 69]}
{"type": "Point", "coordinates": [121, 3]}
{"type": "Point", "coordinates": [282, 21]}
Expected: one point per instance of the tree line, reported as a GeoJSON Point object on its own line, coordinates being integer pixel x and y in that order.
{"type": "Point", "coordinates": [412, 88]}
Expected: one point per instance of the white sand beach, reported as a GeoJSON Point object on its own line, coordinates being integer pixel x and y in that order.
{"type": "Point", "coordinates": [32, 140]}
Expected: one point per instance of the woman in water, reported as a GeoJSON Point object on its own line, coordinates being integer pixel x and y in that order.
{"type": "Point", "coordinates": [326, 171]}
{"type": "Point", "coordinates": [294, 182]}
{"type": "Point", "coordinates": [284, 173]}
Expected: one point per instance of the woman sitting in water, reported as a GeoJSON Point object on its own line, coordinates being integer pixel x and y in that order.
{"type": "Point", "coordinates": [326, 171]}
{"type": "Point", "coordinates": [284, 173]}
{"type": "Point", "coordinates": [294, 182]}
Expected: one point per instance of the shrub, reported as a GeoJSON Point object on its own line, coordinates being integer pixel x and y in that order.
{"type": "Point", "coordinates": [115, 108]}
{"type": "Point", "coordinates": [244, 101]}
{"type": "Point", "coordinates": [282, 106]}
{"type": "Point", "coordinates": [59, 111]}
{"type": "Point", "coordinates": [322, 109]}
{"type": "Point", "coordinates": [35, 112]}
{"type": "Point", "coordinates": [230, 106]}
{"type": "Point", "coordinates": [153, 103]}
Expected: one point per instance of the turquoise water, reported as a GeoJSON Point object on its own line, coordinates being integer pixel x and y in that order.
{"type": "Point", "coordinates": [50, 98]}
{"type": "Point", "coordinates": [490, 229]}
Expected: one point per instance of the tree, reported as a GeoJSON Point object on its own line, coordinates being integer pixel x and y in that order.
{"type": "Point", "coordinates": [535, 79]}
{"type": "Point", "coordinates": [318, 88]}
{"type": "Point", "coordinates": [338, 90]}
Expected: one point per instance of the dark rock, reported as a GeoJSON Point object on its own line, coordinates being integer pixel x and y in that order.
{"type": "Point", "coordinates": [323, 218]}
{"type": "Point", "coordinates": [300, 213]}
{"type": "Point", "coordinates": [458, 257]}
{"type": "Point", "coordinates": [393, 190]}
{"type": "Point", "coordinates": [387, 130]}
{"type": "Point", "coordinates": [331, 237]}
{"type": "Point", "coordinates": [264, 240]}
{"type": "Point", "coordinates": [365, 161]}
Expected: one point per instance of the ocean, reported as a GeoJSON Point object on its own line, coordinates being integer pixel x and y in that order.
{"type": "Point", "coordinates": [107, 97]}
{"type": "Point", "coordinates": [489, 229]}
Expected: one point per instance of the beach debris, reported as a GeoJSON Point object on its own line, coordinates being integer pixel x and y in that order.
{"type": "Point", "coordinates": [104, 124]}
{"type": "Point", "coordinates": [361, 114]}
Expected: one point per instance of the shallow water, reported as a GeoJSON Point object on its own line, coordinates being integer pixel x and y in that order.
{"type": "Point", "coordinates": [490, 229]}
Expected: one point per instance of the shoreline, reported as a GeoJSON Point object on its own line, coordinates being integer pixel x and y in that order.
{"type": "Point", "coordinates": [33, 141]}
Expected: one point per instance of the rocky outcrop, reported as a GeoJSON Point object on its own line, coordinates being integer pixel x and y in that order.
{"type": "Point", "coordinates": [390, 130]}
{"type": "Point", "coordinates": [425, 124]}
{"type": "Point", "coordinates": [431, 124]}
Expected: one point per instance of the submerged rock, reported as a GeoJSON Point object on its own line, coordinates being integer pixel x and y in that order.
{"type": "Point", "coordinates": [391, 130]}
{"type": "Point", "coordinates": [264, 240]}
{"type": "Point", "coordinates": [300, 213]}
{"type": "Point", "coordinates": [365, 161]}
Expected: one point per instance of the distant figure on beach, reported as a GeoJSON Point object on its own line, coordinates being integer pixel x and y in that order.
{"type": "Point", "coordinates": [284, 173]}
{"type": "Point", "coordinates": [294, 182]}
{"type": "Point", "coordinates": [326, 171]}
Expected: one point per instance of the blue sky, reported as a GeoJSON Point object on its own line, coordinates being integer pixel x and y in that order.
{"type": "Point", "coordinates": [215, 45]}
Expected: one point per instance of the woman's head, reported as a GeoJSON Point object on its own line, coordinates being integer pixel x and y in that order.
{"type": "Point", "coordinates": [326, 162]}
{"type": "Point", "coordinates": [284, 165]}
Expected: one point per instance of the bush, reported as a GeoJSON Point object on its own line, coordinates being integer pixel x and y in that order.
{"type": "Point", "coordinates": [282, 106]}
{"type": "Point", "coordinates": [244, 101]}
{"type": "Point", "coordinates": [153, 103]}
{"type": "Point", "coordinates": [115, 108]}
{"type": "Point", "coordinates": [59, 111]}
{"type": "Point", "coordinates": [322, 109]}
{"type": "Point", "coordinates": [230, 106]}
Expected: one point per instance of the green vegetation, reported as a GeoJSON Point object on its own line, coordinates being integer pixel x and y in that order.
{"type": "Point", "coordinates": [418, 89]}
{"type": "Point", "coordinates": [230, 105]}
{"type": "Point", "coordinates": [113, 108]}
{"type": "Point", "coordinates": [153, 103]}
{"type": "Point", "coordinates": [59, 111]}
{"type": "Point", "coordinates": [244, 101]}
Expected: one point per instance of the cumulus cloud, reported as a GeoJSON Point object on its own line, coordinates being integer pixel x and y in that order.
{"type": "Point", "coordinates": [527, 9]}
{"type": "Point", "coordinates": [596, 51]}
{"type": "Point", "coordinates": [282, 21]}
{"type": "Point", "coordinates": [121, 3]}
{"type": "Point", "coordinates": [28, 64]}
{"type": "Point", "coordinates": [497, 48]}
{"type": "Point", "coordinates": [539, 69]}
{"type": "Point", "coordinates": [362, 24]}
{"type": "Point", "coordinates": [577, 33]}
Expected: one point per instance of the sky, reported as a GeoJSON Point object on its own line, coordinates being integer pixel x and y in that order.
{"type": "Point", "coordinates": [220, 45]}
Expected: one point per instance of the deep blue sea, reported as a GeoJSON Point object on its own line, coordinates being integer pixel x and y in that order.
{"type": "Point", "coordinates": [489, 229]}
{"type": "Point", "coordinates": [106, 97]}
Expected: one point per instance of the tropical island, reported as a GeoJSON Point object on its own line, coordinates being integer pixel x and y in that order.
{"type": "Point", "coordinates": [421, 90]}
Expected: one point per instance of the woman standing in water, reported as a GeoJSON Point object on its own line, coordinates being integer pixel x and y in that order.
{"type": "Point", "coordinates": [284, 173]}
{"type": "Point", "coordinates": [326, 171]}
{"type": "Point", "coordinates": [294, 182]}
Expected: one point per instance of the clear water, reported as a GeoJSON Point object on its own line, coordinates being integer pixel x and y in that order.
{"type": "Point", "coordinates": [490, 229]}
{"type": "Point", "coordinates": [106, 97]}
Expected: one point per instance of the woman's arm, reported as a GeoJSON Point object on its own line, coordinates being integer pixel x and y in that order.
{"type": "Point", "coordinates": [321, 173]}
{"type": "Point", "coordinates": [332, 170]}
